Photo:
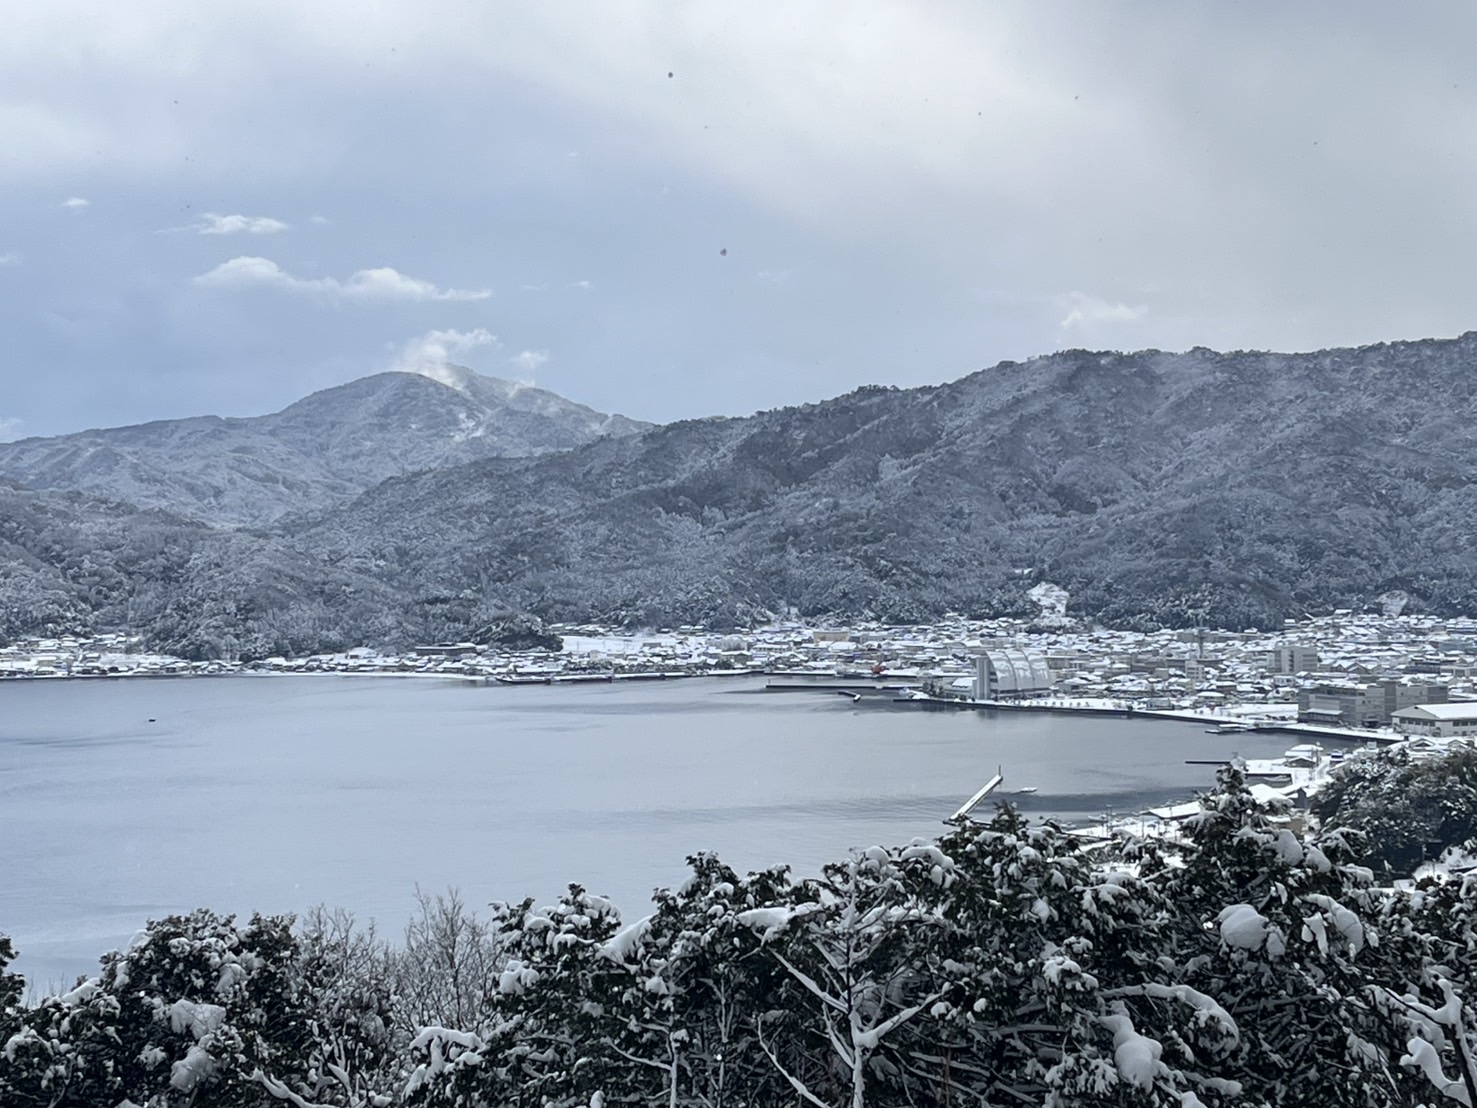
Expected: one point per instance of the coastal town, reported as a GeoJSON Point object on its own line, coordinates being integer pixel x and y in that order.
{"type": "Point", "coordinates": [1332, 683]}
{"type": "Point", "coordinates": [1353, 675]}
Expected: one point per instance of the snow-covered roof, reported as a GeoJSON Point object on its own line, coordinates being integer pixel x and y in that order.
{"type": "Point", "coordinates": [1445, 712]}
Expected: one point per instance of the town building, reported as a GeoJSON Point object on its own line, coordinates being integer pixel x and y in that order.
{"type": "Point", "coordinates": [1010, 673]}
{"type": "Point", "coordinates": [1355, 705]}
{"type": "Point", "coordinates": [1292, 658]}
{"type": "Point", "coordinates": [1450, 720]}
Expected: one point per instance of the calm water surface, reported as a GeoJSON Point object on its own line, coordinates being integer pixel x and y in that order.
{"type": "Point", "coordinates": [276, 793]}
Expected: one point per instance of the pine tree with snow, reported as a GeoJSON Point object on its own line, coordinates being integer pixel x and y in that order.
{"type": "Point", "coordinates": [1409, 809]}
{"type": "Point", "coordinates": [197, 1009]}
{"type": "Point", "coordinates": [688, 1020]}
{"type": "Point", "coordinates": [1286, 934]}
{"type": "Point", "coordinates": [12, 989]}
{"type": "Point", "coordinates": [1050, 953]}
{"type": "Point", "coordinates": [542, 1041]}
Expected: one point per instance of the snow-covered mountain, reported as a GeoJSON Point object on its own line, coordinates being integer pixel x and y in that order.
{"type": "Point", "coordinates": [1184, 489]}
{"type": "Point", "coordinates": [321, 451]}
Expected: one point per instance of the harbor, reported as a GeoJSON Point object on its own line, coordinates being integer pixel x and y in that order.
{"type": "Point", "coordinates": [1347, 678]}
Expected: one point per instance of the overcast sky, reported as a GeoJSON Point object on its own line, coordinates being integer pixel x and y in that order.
{"type": "Point", "coordinates": [682, 209]}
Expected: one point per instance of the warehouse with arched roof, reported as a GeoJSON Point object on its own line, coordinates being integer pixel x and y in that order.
{"type": "Point", "coordinates": [1010, 672]}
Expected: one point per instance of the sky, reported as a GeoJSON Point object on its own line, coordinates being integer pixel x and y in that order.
{"type": "Point", "coordinates": [675, 210]}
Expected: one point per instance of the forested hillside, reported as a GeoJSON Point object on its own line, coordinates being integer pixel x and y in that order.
{"type": "Point", "coordinates": [1003, 963]}
{"type": "Point", "coordinates": [1160, 489]}
{"type": "Point", "coordinates": [74, 564]}
{"type": "Point", "coordinates": [1229, 489]}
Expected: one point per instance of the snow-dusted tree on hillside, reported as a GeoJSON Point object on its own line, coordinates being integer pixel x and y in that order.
{"type": "Point", "coordinates": [1408, 809]}
{"type": "Point", "coordinates": [846, 942]}
{"type": "Point", "coordinates": [358, 1038]}
{"type": "Point", "coordinates": [541, 1040]}
{"type": "Point", "coordinates": [1054, 990]}
{"type": "Point", "coordinates": [1292, 936]}
{"type": "Point", "coordinates": [687, 1022]}
{"type": "Point", "coordinates": [198, 1010]}
{"type": "Point", "coordinates": [12, 988]}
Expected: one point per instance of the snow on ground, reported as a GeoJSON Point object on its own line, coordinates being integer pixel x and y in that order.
{"type": "Point", "coordinates": [613, 644]}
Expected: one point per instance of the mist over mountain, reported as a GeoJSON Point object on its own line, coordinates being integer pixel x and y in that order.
{"type": "Point", "coordinates": [1199, 488]}
{"type": "Point", "coordinates": [321, 451]}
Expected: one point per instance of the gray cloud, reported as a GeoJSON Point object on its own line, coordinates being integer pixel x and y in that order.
{"type": "Point", "coordinates": [1226, 175]}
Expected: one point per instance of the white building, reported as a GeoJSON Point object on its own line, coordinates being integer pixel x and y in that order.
{"type": "Point", "coordinates": [1006, 673]}
{"type": "Point", "coordinates": [1443, 720]}
{"type": "Point", "coordinates": [1290, 658]}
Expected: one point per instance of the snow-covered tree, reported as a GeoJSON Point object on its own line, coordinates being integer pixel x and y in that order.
{"type": "Point", "coordinates": [688, 1021]}
{"type": "Point", "coordinates": [542, 1038]}
{"type": "Point", "coordinates": [1287, 934]}
{"type": "Point", "coordinates": [358, 1038]}
{"type": "Point", "coordinates": [1051, 964]}
{"type": "Point", "coordinates": [845, 941]}
{"type": "Point", "coordinates": [12, 988]}
{"type": "Point", "coordinates": [1408, 809]}
{"type": "Point", "coordinates": [198, 1010]}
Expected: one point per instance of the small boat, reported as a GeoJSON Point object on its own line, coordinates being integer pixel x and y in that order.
{"type": "Point", "coordinates": [1228, 729]}
{"type": "Point", "coordinates": [1026, 789]}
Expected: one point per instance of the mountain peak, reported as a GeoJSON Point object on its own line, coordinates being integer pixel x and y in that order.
{"type": "Point", "coordinates": [316, 453]}
{"type": "Point", "coordinates": [457, 377]}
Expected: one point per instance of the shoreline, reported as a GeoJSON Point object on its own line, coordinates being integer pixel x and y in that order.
{"type": "Point", "coordinates": [1129, 711]}
{"type": "Point", "coordinates": [862, 690]}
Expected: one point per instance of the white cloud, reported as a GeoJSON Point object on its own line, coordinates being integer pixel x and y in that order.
{"type": "Point", "coordinates": [10, 429]}
{"type": "Point", "coordinates": [383, 283]}
{"type": "Point", "coordinates": [10, 258]}
{"type": "Point", "coordinates": [321, 221]}
{"type": "Point", "coordinates": [76, 203]}
{"type": "Point", "coordinates": [433, 354]}
{"type": "Point", "coordinates": [256, 271]}
{"type": "Point", "coordinates": [530, 361]}
{"type": "Point", "coordinates": [1084, 310]}
{"type": "Point", "coordinates": [213, 224]}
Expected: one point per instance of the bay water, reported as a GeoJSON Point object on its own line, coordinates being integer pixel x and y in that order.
{"type": "Point", "coordinates": [127, 800]}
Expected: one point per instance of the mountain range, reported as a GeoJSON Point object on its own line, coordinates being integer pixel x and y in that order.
{"type": "Point", "coordinates": [1182, 489]}
{"type": "Point", "coordinates": [325, 449]}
